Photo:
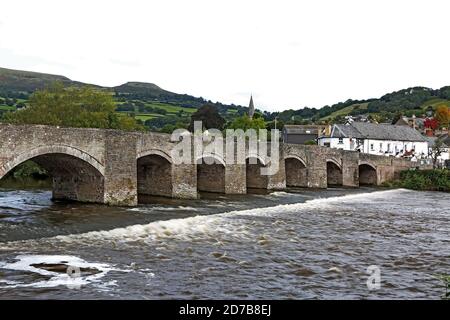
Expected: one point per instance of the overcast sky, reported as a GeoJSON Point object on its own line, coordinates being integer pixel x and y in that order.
{"type": "Point", "coordinates": [289, 54]}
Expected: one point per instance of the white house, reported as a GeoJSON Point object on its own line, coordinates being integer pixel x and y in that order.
{"type": "Point", "coordinates": [380, 139]}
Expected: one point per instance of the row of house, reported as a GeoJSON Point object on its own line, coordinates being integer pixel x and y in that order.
{"type": "Point", "coordinates": [407, 138]}
{"type": "Point", "coordinates": [398, 140]}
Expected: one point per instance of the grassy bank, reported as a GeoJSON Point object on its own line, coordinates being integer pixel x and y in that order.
{"type": "Point", "coordinates": [427, 180]}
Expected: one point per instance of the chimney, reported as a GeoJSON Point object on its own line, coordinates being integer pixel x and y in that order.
{"type": "Point", "coordinates": [414, 121]}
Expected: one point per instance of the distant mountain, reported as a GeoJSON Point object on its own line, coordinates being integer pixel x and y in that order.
{"type": "Point", "coordinates": [28, 82]}
{"type": "Point", "coordinates": [143, 88]}
{"type": "Point", "coordinates": [20, 84]}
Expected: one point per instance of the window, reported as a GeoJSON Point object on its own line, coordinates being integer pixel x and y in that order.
{"type": "Point", "coordinates": [389, 147]}
{"type": "Point", "coordinates": [341, 140]}
{"type": "Point", "coordinates": [371, 147]}
{"type": "Point", "coordinates": [381, 146]}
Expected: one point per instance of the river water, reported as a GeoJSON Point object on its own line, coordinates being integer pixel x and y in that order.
{"type": "Point", "coordinates": [302, 244]}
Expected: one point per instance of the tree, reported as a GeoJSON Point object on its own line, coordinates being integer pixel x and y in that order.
{"type": "Point", "coordinates": [443, 115]}
{"type": "Point", "coordinates": [9, 102]}
{"type": "Point", "coordinates": [82, 107]}
{"type": "Point", "coordinates": [397, 117]}
{"type": "Point", "coordinates": [431, 123]}
{"type": "Point", "coordinates": [436, 151]}
{"type": "Point", "coordinates": [245, 123]}
{"type": "Point", "coordinates": [169, 128]}
{"type": "Point", "coordinates": [209, 116]}
{"type": "Point", "coordinates": [271, 125]}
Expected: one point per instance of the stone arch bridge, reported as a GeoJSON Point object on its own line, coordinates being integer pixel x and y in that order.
{"type": "Point", "coordinates": [115, 167]}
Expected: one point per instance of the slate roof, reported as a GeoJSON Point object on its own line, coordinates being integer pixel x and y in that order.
{"type": "Point", "coordinates": [367, 130]}
{"type": "Point", "coordinates": [445, 140]}
{"type": "Point", "coordinates": [300, 129]}
{"type": "Point", "coordinates": [420, 122]}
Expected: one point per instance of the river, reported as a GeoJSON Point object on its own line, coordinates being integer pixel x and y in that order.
{"type": "Point", "coordinates": [302, 244]}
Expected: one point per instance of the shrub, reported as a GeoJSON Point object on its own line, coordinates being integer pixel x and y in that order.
{"type": "Point", "coordinates": [435, 180]}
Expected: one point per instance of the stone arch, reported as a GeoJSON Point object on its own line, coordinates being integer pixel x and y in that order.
{"type": "Point", "coordinates": [334, 173]}
{"type": "Point", "coordinates": [367, 174]}
{"type": "Point", "coordinates": [154, 174]}
{"type": "Point", "coordinates": [211, 177]}
{"type": "Point", "coordinates": [51, 149]}
{"type": "Point", "coordinates": [76, 175]}
{"type": "Point", "coordinates": [334, 161]}
{"type": "Point", "coordinates": [296, 171]}
{"type": "Point", "coordinates": [211, 156]}
{"type": "Point", "coordinates": [157, 152]}
{"type": "Point", "coordinates": [292, 156]}
{"type": "Point", "coordinates": [257, 157]}
{"type": "Point", "coordinates": [254, 178]}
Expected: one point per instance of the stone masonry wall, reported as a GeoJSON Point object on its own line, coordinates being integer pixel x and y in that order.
{"type": "Point", "coordinates": [254, 178]}
{"type": "Point", "coordinates": [120, 168]}
{"type": "Point", "coordinates": [94, 165]}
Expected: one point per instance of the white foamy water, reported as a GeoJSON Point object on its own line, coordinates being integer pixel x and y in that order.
{"type": "Point", "coordinates": [219, 223]}
{"type": "Point", "coordinates": [31, 264]}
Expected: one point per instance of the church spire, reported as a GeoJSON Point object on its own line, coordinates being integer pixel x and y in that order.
{"type": "Point", "coordinates": [251, 108]}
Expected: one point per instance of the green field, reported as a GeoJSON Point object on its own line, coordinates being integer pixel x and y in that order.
{"type": "Point", "coordinates": [148, 116]}
{"type": "Point", "coordinates": [169, 108]}
{"type": "Point", "coordinates": [8, 108]}
{"type": "Point", "coordinates": [435, 103]}
{"type": "Point", "coordinates": [345, 111]}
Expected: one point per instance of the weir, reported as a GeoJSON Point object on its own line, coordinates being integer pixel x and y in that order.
{"type": "Point", "coordinates": [115, 167]}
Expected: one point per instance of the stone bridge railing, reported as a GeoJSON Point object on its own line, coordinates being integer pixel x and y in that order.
{"type": "Point", "coordinates": [114, 167]}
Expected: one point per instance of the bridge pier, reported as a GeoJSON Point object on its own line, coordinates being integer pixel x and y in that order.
{"type": "Point", "coordinates": [184, 181]}
{"type": "Point", "coordinates": [235, 179]}
{"type": "Point", "coordinates": [317, 173]}
{"type": "Point", "coordinates": [120, 169]}
{"type": "Point", "coordinates": [384, 173]}
{"type": "Point", "coordinates": [350, 170]}
{"type": "Point", "coordinates": [278, 180]}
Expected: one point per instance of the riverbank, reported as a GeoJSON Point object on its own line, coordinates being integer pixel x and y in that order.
{"type": "Point", "coordinates": [423, 180]}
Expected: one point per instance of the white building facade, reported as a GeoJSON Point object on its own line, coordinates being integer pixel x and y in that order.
{"type": "Point", "coordinates": [378, 139]}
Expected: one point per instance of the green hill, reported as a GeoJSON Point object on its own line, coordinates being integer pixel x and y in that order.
{"type": "Point", "coordinates": [408, 101]}
{"type": "Point", "coordinates": [147, 101]}
{"type": "Point", "coordinates": [16, 81]}
{"type": "Point", "coordinates": [146, 89]}
{"type": "Point", "coordinates": [157, 107]}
